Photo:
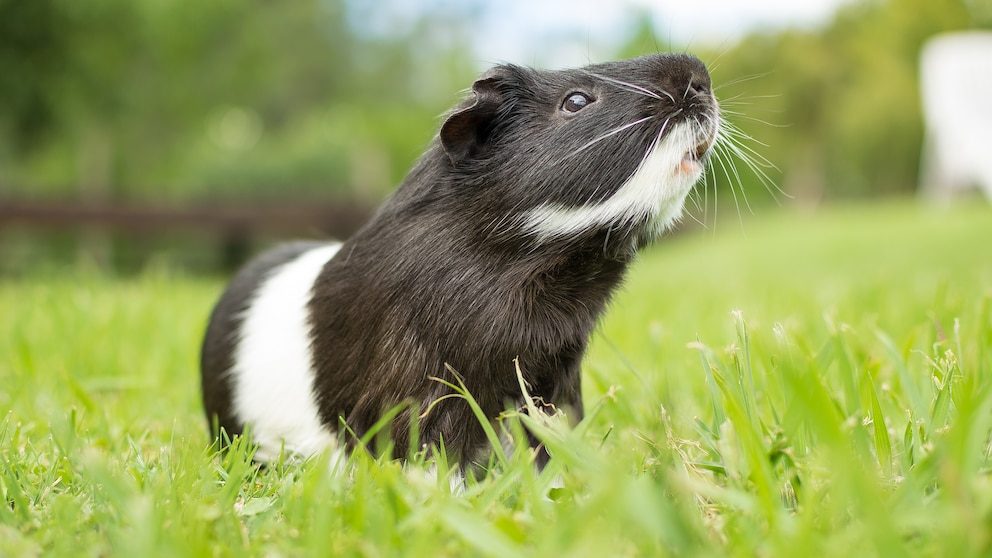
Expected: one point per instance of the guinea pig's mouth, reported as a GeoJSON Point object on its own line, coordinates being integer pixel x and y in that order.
{"type": "Point", "coordinates": [692, 160]}
{"type": "Point", "coordinates": [700, 150]}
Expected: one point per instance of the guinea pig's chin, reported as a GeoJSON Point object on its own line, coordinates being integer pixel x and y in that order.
{"type": "Point", "coordinates": [690, 169]}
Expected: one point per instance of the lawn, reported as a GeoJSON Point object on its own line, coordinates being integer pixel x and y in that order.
{"type": "Point", "coordinates": [791, 385]}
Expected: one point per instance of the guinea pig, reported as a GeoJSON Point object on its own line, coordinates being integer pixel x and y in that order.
{"type": "Point", "coordinates": [500, 249]}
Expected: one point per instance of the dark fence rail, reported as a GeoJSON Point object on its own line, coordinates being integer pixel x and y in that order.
{"type": "Point", "coordinates": [337, 221]}
{"type": "Point", "coordinates": [236, 228]}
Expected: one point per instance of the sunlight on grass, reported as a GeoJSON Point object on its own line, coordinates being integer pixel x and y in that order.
{"type": "Point", "coordinates": [812, 386]}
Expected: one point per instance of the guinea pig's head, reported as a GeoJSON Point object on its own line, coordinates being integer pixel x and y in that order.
{"type": "Point", "coordinates": [614, 146]}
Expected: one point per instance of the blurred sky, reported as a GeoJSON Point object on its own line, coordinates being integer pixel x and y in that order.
{"type": "Point", "coordinates": [576, 32]}
{"type": "Point", "coordinates": [518, 30]}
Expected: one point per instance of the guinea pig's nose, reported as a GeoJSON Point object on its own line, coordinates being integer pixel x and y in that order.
{"type": "Point", "coordinates": [683, 73]}
{"type": "Point", "coordinates": [696, 76]}
{"type": "Point", "coordinates": [699, 82]}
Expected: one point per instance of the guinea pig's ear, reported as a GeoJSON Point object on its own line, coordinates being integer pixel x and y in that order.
{"type": "Point", "coordinates": [466, 130]}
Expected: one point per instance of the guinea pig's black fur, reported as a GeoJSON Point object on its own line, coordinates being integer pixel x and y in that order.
{"type": "Point", "coordinates": [504, 242]}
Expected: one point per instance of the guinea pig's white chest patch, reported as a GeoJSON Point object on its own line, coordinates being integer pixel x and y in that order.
{"type": "Point", "coordinates": [272, 377]}
{"type": "Point", "coordinates": [655, 191]}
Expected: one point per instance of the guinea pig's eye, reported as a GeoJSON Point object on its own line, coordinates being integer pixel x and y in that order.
{"type": "Point", "coordinates": [576, 102]}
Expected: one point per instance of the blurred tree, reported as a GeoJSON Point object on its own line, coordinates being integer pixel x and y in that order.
{"type": "Point", "coordinates": [184, 99]}
{"type": "Point", "coordinates": [31, 53]}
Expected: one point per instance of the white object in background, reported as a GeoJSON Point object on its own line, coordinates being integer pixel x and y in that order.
{"type": "Point", "coordinates": [956, 89]}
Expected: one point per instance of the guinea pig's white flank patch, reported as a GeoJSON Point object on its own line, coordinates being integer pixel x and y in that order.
{"type": "Point", "coordinates": [655, 191]}
{"type": "Point", "coordinates": [272, 377]}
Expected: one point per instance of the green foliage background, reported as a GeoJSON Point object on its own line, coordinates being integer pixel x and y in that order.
{"type": "Point", "coordinates": [185, 101]}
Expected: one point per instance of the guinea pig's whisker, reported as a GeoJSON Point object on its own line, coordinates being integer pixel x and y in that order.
{"type": "Point", "coordinates": [726, 163]}
{"type": "Point", "coordinates": [664, 126]}
{"type": "Point", "coordinates": [738, 115]}
{"type": "Point", "coordinates": [734, 143]}
{"type": "Point", "coordinates": [735, 101]}
{"type": "Point", "coordinates": [611, 133]}
{"type": "Point", "coordinates": [740, 183]}
{"type": "Point", "coordinates": [709, 181]}
{"type": "Point", "coordinates": [633, 87]}
{"type": "Point", "coordinates": [737, 132]}
{"type": "Point", "coordinates": [694, 197]}
{"type": "Point", "coordinates": [740, 80]}
{"type": "Point", "coordinates": [657, 139]}
{"type": "Point", "coordinates": [693, 217]}
{"type": "Point", "coordinates": [711, 175]}
{"type": "Point", "coordinates": [729, 145]}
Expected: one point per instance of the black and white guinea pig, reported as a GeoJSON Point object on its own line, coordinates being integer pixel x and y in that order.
{"type": "Point", "coordinates": [504, 242]}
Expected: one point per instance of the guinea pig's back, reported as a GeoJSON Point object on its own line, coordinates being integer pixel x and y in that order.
{"type": "Point", "coordinates": [256, 359]}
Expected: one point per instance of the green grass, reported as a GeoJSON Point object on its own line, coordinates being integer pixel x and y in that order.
{"type": "Point", "coordinates": [816, 385]}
